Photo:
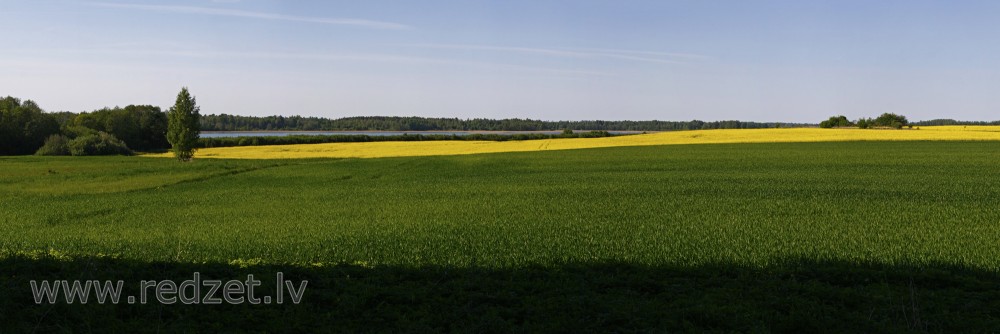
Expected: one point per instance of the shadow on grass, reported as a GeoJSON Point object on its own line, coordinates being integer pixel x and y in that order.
{"type": "Point", "coordinates": [797, 296]}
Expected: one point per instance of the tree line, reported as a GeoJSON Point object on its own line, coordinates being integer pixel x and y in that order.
{"type": "Point", "coordinates": [946, 121]}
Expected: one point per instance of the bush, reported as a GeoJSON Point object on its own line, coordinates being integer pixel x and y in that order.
{"type": "Point", "coordinates": [99, 144]}
{"type": "Point", "coordinates": [55, 145]}
{"type": "Point", "coordinates": [74, 131]}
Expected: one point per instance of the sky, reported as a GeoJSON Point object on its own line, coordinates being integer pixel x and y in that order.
{"type": "Point", "coordinates": [785, 61]}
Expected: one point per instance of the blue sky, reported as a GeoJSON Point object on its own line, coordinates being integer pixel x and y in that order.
{"type": "Point", "coordinates": [792, 61]}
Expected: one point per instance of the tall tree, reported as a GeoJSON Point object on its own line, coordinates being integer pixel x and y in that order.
{"type": "Point", "coordinates": [183, 127]}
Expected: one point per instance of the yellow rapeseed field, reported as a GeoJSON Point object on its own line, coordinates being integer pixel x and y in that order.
{"type": "Point", "coordinates": [428, 148]}
{"type": "Point", "coordinates": [987, 128]}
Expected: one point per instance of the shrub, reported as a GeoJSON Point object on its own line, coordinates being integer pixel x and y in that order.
{"type": "Point", "coordinates": [74, 131]}
{"type": "Point", "coordinates": [55, 145]}
{"type": "Point", "coordinates": [99, 144]}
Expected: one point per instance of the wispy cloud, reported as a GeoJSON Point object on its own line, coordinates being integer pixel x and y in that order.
{"type": "Point", "coordinates": [317, 57]}
{"type": "Point", "coordinates": [255, 15]}
{"type": "Point", "coordinates": [676, 55]}
{"type": "Point", "coordinates": [628, 55]}
{"type": "Point", "coordinates": [391, 58]}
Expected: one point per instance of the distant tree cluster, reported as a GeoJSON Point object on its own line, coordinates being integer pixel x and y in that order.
{"type": "Point", "coordinates": [26, 129]}
{"type": "Point", "coordinates": [836, 122]}
{"type": "Point", "coordinates": [886, 120]}
{"type": "Point", "coordinates": [226, 122]}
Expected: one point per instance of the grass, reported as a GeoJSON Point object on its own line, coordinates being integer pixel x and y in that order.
{"type": "Point", "coordinates": [837, 236]}
{"type": "Point", "coordinates": [727, 136]}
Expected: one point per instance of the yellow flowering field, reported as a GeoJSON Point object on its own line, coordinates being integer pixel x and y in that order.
{"type": "Point", "coordinates": [987, 128]}
{"type": "Point", "coordinates": [429, 148]}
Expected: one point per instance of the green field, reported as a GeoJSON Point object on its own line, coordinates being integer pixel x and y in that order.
{"type": "Point", "coordinates": [851, 236]}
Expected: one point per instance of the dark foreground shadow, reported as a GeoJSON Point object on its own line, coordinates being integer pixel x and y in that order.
{"type": "Point", "coordinates": [796, 296]}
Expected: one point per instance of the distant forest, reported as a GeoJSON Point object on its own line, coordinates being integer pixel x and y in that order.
{"type": "Point", "coordinates": [953, 122]}
{"type": "Point", "coordinates": [226, 122]}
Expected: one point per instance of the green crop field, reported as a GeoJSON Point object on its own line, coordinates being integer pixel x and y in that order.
{"type": "Point", "coordinates": [851, 236]}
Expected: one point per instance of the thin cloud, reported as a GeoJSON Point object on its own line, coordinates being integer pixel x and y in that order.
{"type": "Point", "coordinates": [650, 53]}
{"type": "Point", "coordinates": [551, 52]}
{"type": "Point", "coordinates": [629, 55]}
{"type": "Point", "coordinates": [255, 15]}
{"type": "Point", "coordinates": [323, 57]}
{"type": "Point", "coordinates": [384, 58]}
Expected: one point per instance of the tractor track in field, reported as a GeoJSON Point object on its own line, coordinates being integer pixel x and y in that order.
{"type": "Point", "coordinates": [229, 173]}
{"type": "Point", "coordinates": [209, 177]}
